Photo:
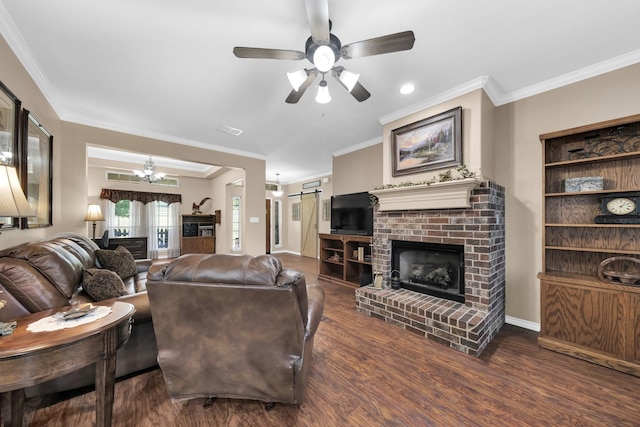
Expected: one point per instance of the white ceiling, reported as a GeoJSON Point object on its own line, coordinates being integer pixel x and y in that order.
{"type": "Point", "coordinates": [165, 69]}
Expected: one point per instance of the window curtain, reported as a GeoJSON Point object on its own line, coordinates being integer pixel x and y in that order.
{"type": "Point", "coordinates": [138, 219]}
{"type": "Point", "coordinates": [173, 230]}
{"type": "Point", "coordinates": [139, 196]}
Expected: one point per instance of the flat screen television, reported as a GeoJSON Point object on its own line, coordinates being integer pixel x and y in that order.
{"type": "Point", "coordinates": [352, 214]}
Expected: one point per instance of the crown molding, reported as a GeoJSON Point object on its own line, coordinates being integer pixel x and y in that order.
{"type": "Point", "coordinates": [463, 89]}
{"type": "Point", "coordinates": [14, 39]}
{"type": "Point", "coordinates": [167, 138]}
{"type": "Point", "coordinates": [356, 147]}
{"type": "Point", "coordinates": [585, 73]}
{"type": "Point", "coordinates": [498, 97]}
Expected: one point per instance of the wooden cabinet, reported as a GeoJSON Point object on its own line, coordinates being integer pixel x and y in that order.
{"type": "Point", "coordinates": [198, 234]}
{"type": "Point", "coordinates": [582, 315]}
{"type": "Point", "coordinates": [136, 245]}
{"type": "Point", "coordinates": [345, 259]}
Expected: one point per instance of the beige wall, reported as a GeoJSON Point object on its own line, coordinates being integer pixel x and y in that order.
{"type": "Point", "coordinates": [519, 166]}
{"type": "Point", "coordinates": [15, 77]}
{"type": "Point", "coordinates": [477, 136]}
{"type": "Point", "coordinates": [358, 171]}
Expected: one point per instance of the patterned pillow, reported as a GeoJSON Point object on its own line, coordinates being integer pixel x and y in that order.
{"type": "Point", "coordinates": [119, 260]}
{"type": "Point", "coordinates": [102, 284]}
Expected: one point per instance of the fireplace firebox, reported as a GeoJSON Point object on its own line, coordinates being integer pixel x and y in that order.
{"type": "Point", "coordinates": [429, 268]}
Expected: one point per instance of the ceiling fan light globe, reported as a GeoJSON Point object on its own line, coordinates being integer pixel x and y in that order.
{"type": "Point", "coordinates": [323, 96]}
{"type": "Point", "coordinates": [297, 78]}
{"type": "Point", "coordinates": [349, 79]}
{"type": "Point", "coordinates": [324, 58]}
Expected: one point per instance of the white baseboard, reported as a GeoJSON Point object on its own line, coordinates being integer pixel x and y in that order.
{"type": "Point", "coordinates": [526, 324]}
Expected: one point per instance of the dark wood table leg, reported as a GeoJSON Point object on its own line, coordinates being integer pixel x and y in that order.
{"type": "Point", "coordinates": [17, 407]}
{"type": "Point", "coordinates": [106, 381]}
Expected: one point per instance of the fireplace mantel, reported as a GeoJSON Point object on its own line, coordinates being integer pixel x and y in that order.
{"type": "Point", "coordinates": [439, 195]}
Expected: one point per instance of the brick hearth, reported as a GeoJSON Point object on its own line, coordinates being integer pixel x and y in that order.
{"type": "Point", "coordinates": [469, 326]}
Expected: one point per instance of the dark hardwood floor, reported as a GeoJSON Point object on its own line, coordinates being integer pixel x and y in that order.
{"type": "Point", "coordinates": [369, 373]}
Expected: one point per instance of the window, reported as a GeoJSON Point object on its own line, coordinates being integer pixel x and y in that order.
{"type": "Point", "coordinates": [121, 221]}
{"type": "Point", "coordinates": [158, 221]}
{"type": "Point", "coordinates": [162, 223]}
{"type": "Point", "coordinates": [277, 223]}
{"type": "Point", "coordinates": [235, 223]}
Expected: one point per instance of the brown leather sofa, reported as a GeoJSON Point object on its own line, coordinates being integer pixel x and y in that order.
{"type": "Point", "coordinates": [234, 326]}
{"type": "Point", "coordinates": [47, 274]}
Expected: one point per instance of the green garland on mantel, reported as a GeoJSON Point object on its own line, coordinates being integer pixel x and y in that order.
{"type": "Point", "coordinates": [446, 176]}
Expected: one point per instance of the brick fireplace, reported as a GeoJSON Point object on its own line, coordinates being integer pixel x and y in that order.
{"type": "Point", "coordinates": [477, 224]}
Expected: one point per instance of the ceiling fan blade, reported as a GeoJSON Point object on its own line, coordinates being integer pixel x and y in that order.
{"type": "Point", "coordinates": [358, 91]}
{"type": "Point", "coordinates": [260, 53]}
{"type": "Point", "coordinates": [318, 14]}
{"type": "Point", "coordinates": [295, 95]}
{"type": "Point", "coordinates": [379, 45]}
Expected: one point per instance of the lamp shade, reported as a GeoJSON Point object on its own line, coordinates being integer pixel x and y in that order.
{"type": "Point", "coordinates": [323, 96]}
{"type": "Point", "coordinates": [13, 202]}
{"type": "Point", "coordinates": [349, 79]}
{"type": "Point", "coordinates": [94, 213]}
{"type": "Point", "coordinates": [297, 78]}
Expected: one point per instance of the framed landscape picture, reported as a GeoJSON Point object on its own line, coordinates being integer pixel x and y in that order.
{"type": "Point", "coordinates": [430, 144]}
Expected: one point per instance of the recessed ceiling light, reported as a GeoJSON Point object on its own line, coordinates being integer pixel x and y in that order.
{"type": "Point", "coordinates": [407, 89]}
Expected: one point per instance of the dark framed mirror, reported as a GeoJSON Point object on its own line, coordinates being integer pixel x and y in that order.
{"type": "Point", "coordinates": [9, 138]}
{"type": "Point", "coordinates": [36, 171]}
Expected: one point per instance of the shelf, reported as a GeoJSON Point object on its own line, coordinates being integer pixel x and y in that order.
{"type": "Point", "coordinates": [604, 251]}
{"type": "Point", "coordinates": [582, 315]}
{"type": "Point", "coordinates": [615, 157]}
{"type": "Point", "coordinates": [591, 225]}
{"type": "Point", "coordinates": [346, 271]}
{"type": "Point", "coordinates": [592, 193]}
{"type": "Point", "coordinates": [333, 249]}
{"type": "Point", "coordinates": [355, 261]}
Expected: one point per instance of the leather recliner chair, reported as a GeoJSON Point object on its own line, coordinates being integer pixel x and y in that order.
{"type": "Point", "coordinates": [234, 326]}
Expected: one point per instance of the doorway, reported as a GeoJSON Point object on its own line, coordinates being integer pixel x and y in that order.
{"type": "Point", "coordinates": [309, 225]}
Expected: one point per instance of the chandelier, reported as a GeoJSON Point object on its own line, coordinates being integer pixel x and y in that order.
{"type": "Point", "coordinates": [149, 174]}
{"type": "Point", "coordinates": [277, 193]}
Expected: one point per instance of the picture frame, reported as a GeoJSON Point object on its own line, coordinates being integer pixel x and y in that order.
{"type": "Point", "coordinates": [10, 107]}
{"type": "Point", "coordinates": [429, 144]}
{"type": "Point", "coordinates": [326, 209]}
{"type": "Point", "coordinates": [36, 172]}
{"type": "Point", "coordinates": [311, 184]}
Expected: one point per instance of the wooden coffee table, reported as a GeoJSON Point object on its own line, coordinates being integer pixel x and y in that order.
{"type": "Point", "coordinates": [29, 358]}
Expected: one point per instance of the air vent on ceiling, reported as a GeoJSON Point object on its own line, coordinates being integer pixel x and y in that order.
{"type": "Point", "coordinates": [230, 130]}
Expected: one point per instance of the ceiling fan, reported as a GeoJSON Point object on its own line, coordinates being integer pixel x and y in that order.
{"type": "Point", "coordinates": [323, 50]}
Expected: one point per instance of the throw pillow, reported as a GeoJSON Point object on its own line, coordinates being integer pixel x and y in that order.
{"type": "Point", "coordinates": [102, 284]}
{"type": "Point", "coordinates": [119, 260]}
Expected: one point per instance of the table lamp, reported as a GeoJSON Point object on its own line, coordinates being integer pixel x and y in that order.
{"type": "Point", "coordinates": [13, 202]}
{"type": "Point", "coordinates": [94, 213]}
